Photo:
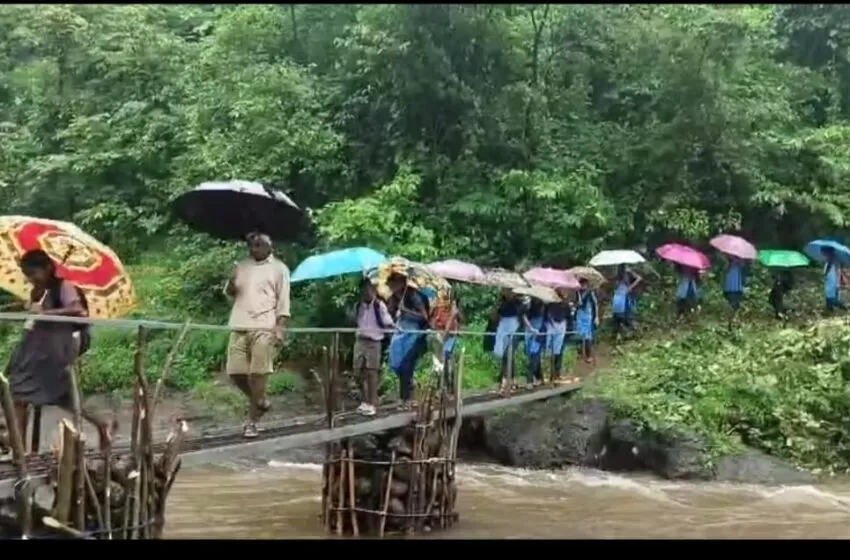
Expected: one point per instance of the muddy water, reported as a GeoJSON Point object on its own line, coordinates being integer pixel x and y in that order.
{"type": "Point", "coordinates": [282, 500]}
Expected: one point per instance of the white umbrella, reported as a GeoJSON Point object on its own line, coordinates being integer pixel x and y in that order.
{"type": "Point", "coordinates": [617, 257]}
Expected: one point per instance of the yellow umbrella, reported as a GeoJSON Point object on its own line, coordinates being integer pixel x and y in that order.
{"type": "Point", "coordinates": [80, 258]}
{"type": "Point", "coordinates": [419, 276]}
{"type": "Point", "coordinates": [593, 276]}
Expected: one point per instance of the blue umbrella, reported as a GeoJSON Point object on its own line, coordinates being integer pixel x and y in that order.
{"type": "Point", "coordinates": [815, 250]}
{"type": "Point", "coordinates": [336, 263]}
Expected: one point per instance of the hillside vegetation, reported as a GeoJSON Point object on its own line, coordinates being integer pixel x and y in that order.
{"type": "Point", "coordinates": [507, 135]}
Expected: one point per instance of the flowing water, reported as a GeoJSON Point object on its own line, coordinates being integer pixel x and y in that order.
{"type": "Point", "coordinates": [282, 500]}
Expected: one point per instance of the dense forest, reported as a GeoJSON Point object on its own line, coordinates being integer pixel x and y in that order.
{"type": "Point", "coordinates": [501, 134]}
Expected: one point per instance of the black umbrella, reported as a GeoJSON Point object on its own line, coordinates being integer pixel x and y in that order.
{"type": "Point", "coordinates": [233, 209]}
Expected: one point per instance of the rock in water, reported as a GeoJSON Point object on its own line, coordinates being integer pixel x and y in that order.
{"type": "Point", "coordinates": [754, 467]}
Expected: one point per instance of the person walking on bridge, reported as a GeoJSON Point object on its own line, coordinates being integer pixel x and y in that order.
{"type": "Point", "coordinates": [259, 287]}
{"type": "Point", "coordinates": [373, 320]}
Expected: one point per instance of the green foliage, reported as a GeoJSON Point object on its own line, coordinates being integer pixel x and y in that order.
{"type": "Point", "coordinates": [784, 391]}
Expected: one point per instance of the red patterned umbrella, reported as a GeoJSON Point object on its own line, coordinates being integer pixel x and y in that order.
{"type": "Point", "coordinates": [79, 258]}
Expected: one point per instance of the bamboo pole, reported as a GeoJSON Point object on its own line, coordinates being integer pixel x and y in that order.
{"type": "Point", "coordinates": [92, 495]}
{"type": "Point", "coordinates": [387, 496]}
{"type": "Point", "coordinates": [340, 493]}
{"type": "Point", "coordinates": [351, 494]}
{"type": "Point", "coordinates": [170, 466]}
{"type": "Point", "coordinates": [143, 448]}
{"type": "Point", "coordinates": [169, 364]}
{"type": "Point", "coordinates": [327, 469]}
{"type": "Point", "coordinates": [107, 491]}
{"type": "Point", "coordinates": [79, 479]}
{"type": "Point", "coordinates": [35, 440]}
{"type": "Point", "coordinates": [67, 464]}
{"type": "Point", "coordinates": [131, 514]}
{"type": "Point", "coordinates": [19, 454]}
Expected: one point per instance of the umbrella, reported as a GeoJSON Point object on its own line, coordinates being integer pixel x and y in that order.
{"type": "Point", "coordinates": [593, 276]}
{"type": "Point", "coordinates": [419, 276]}
{"type": "Point", "coordinates": [734, 246]}
{"type": "Point", "coordinates": [459, 271]}
{"type": "Point", "coordinates": [683, 255]}
{"type": "Point", "coordinates": [552, 278]}
{"type": "Point", "coordinates": [89, 264]}
{"type": "Point", "coordinates": [233, 209]}
{"type": "Point", "coordinates": [543, 293]}
{"type": "Point", "coordinates": [815, 250]}
{"type": "Point", "coordinates": [336, 263]}
{"type": "Point", "coordinates": [616, 257]}
{"type": "Point", "coordinates": [501, 278]}
{"type": "Point", "coordinates": [782, 259]}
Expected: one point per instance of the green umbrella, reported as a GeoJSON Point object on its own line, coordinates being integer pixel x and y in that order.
{"type": "Point", "coordinates": [783, 259]}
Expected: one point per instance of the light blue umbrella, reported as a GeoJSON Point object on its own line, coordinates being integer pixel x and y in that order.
{"type": "Point", "coordinates": [337, 263]}
{"type": "Point", "coordinates": [815, 250]}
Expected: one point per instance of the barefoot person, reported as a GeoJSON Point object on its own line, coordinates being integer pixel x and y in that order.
{"type": "Point", "coordinates": [373, 319]}
{"type": "Point", "coordinates": [259, 287]}
{"type": "Point", "coordinates": [40, 366]}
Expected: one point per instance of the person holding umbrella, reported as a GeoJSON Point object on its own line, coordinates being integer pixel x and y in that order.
{"type": "Point", "coordinates": [622, 304]}
{"type": "Point", "coordinates": [832, 280]}
{"type": "Point", "coordinates": [534, 321]}
{"type": "Point", "coordinates": [560, 323]}
{"type": "Point", "coordinates": [259, 287]}
{"type": "Point", "coordinates": [587, 319]}
{"type": "Point", "coordinates": [409, 342]}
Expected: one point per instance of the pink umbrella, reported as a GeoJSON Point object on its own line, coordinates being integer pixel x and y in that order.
{"type": "Point", "coordinates": [683, 255]}
{"type": "Point", "coordinates": [735, 246]}
{"type": "Point", "coordinates": [552, 278]}
{"type": "Point", "coordinates": [458, 270]}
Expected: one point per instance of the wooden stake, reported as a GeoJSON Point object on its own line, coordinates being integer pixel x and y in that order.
{"type": "Point", "coordinates": [65, 483]}
{"type": "Point", "coordinates": [92, 494]}
{"type": "Point", "coordinates": [79, 480]}
{"type": "Point", "coordinates": [340, 493]}
{"type": "Point", "coordinates": [107, 491]}
{"type": "Point", "coordinates": [19, 454]}
{"type": "Point", "coordinates": [35, 440]}
{"type": "Point", "coordinates": [169, 364]}
{"type": "Point", "coordinates": [387, 496]}
{"type": "Point", "coordinates": [351, 494]}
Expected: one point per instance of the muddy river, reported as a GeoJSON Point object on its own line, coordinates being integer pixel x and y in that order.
{"type": "Point", "coordinates": [282, 500]}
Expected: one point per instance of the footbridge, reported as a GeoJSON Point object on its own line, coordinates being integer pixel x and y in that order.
{"type": "Point", "coordinates": [305, 431]}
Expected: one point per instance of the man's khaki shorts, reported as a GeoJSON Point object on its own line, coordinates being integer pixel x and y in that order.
{"type": "Point", "coordinates": [251, 353]}
{"type": "Point", "coordinates": [367, 354]}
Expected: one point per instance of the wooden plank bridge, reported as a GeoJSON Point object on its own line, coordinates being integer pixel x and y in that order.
{"type": "Point", "coordinates": [293, 433]}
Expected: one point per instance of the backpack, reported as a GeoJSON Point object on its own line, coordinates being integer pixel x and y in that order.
{"type": "Point", "coordinates": [83, 329]}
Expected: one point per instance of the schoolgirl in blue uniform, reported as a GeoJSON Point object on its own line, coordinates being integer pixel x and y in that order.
{"type": "Point", "coordinates": [587, 319]}
{"type": "Point", "coordinates": [508, 316]}
{"type": "Point", "coordinates": [832, 281]}
{"type": "Point", "coordinates": [733, 283]}
{"type": "Point", "coordinates": [534, 320]}
{"type": "Point", "coordinates": [560, 326]}
{"type": "Point", "coordinates": [623, 304]}
{"type": "Point", "coordinates": [687, 290]}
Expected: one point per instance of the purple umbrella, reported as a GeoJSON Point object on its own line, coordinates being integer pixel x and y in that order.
{"type": "Point", "coordinates": [458, 271]}
{"type": "Point", "coordinates": [735, 246]}
{"type": "Point", "coordinates": [552, 278]}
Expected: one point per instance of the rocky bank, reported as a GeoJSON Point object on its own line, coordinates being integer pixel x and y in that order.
{"type": "Point", "coordinates": [584, 432]}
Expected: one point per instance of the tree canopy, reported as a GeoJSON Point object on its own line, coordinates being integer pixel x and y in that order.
{"type": "Point", "coordinates": [501, 134]}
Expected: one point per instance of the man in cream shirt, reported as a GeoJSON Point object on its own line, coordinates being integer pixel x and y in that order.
{"type": "Point", "coordinates": [259, 287]}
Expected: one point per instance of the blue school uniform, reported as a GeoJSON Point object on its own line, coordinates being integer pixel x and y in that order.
{"type": "Point", "coordinates": [831, 285]}
{"type": "Point", "coordinates": [509, 323]}
{"type": "Point", "coordinates": [586, 315]}
{"type": "Point", "coordinates": [556, 327]}
{"type": "Point", "coordinates": [405, 345]}
{"type": "Point", "coordinates": [733, 285]}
